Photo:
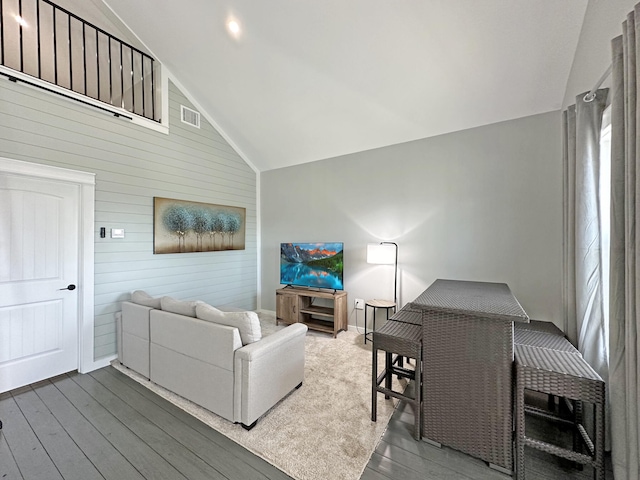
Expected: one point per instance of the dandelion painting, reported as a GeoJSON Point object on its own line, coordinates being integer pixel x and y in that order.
{"type": "Point", "coordinates": [180, 226]}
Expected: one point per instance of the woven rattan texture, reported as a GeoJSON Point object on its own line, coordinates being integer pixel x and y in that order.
{"type": "Point", "coordinates": [555, 361]}
{"type": "Point", "coordinates": [408, 315]}
{"type": "Point", "coordinates": [398, 337]}
{"type": "Point", "coordinates": [539, 326]}
{"type": "Point", "coordinates": [551, 341]}
{"type": "Point", "coordinates": [467, 377]}
{"type": "Point", "coordinates": [566, 375]}
{"type": "Point", "coordinates": [555, 450]}
{"type": "Point", "coordinates": [491, 299]}
{"type": "Point", "coordinates": [405, 340]}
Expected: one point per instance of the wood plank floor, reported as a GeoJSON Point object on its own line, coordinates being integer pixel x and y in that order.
{"type": "Point", "coordinates": [104, 425]}
{"type": "Point", "coordinates": [400, 456]}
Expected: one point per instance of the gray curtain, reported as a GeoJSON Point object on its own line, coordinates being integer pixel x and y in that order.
{"type": "Point", "coordinates": [624, 391]}
{"type": "Point", "coordinates": [584, 311]}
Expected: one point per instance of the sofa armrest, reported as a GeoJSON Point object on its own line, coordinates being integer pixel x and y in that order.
{"type": "Point", "coordinates": [135, 319]}
{"type": "Point", "coordinates": [134, 335]}
{"type": "Point", "coordinates": [266, 371]}
{"type": "Point", "coordinates": [266, 345]}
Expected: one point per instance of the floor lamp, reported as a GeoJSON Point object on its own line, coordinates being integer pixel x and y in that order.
{"type": "Point", "coordinates": [385, 253]}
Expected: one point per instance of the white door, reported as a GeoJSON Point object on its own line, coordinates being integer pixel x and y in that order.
{"type": "Point", "coordinates": [39, 224]}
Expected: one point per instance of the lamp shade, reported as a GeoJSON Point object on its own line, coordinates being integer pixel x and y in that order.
{"type": "Point", "coordinates": [381, 254]}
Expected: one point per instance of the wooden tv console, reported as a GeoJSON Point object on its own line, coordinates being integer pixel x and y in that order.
{"type": "Point", "coordinates": [297, 305]}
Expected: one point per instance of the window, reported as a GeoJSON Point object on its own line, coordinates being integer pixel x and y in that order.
{"type": "Point", "coordinates": [605, 215]}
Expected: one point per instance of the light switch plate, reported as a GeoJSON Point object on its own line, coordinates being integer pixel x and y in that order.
{"type": "Point", "coordinates": [117, 233]}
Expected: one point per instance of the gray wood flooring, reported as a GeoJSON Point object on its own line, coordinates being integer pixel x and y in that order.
{"type": "Point", "coordinates": [399, 456]}
{"type": "Point", "coordinates": [106, 426]}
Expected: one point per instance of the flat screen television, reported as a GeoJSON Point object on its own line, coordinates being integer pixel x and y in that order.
{"type": "Point", "coordinates": [312, 265]}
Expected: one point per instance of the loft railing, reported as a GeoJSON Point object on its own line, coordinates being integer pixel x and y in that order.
{"type": "Point", "coordinates": [43, 40]}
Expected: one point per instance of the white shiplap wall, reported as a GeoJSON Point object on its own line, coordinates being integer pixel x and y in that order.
{"type": "Point", "coordinates": [132, 165]}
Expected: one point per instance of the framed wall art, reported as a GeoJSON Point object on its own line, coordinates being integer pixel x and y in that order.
{"type": "Point", "coordinates": [180, 226]}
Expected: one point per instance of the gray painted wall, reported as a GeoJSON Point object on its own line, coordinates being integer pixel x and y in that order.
{"type": "Point", "coordinates": [602, 23]}
{"type": "Point", "coordinates": [132, 165]}
{"type": "Point", "coordinates": [483, 204]}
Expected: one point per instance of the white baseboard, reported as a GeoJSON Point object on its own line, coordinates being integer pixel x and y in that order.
{"type": "Point", "coordinates": [358, 330]}
{"type": "Point", "coordinates": [96, 364]}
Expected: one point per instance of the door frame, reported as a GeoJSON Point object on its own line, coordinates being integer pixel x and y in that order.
{"type": "Point", "coordinates": [86, 181]}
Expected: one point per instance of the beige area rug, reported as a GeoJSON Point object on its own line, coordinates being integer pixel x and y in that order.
{"type": "Point", "coordinates": [322, 430]}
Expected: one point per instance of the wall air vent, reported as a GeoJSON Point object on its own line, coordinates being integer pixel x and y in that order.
{"type": "Point", "coordinates": [190, 116]}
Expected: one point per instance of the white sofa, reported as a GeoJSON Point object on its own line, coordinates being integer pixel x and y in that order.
{"type": "Point", "coordinates": [206, 361]}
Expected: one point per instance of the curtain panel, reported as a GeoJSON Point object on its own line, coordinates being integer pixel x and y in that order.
{"type": "Point", "coordinates": [624, 391]}
{"type": "Point", "coordinates": [584, 311]}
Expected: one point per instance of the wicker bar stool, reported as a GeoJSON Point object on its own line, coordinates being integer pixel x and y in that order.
{"type": "Point", "coordinates": [550, 341]}
{"type": "Point", "coordinates": [541, 334]}
{"type": "Point", "coordinates": [403, 340]}
{"type": "Point", "coordinates": [539, 326]}
{"type": "Point", "coordinates": [566, 375]}
{"type": "Point", "coordinates": [407, 315]}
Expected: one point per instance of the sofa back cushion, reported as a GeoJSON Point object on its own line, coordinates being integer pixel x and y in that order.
{"type": "Point", "coordinates": [181, 307]}
{"type": "Point", "coordinates": [191, 337]}
{"type": "Point", "coordinates": [143, 298]}
{"type": "Point", "coordinates": [247, 323]}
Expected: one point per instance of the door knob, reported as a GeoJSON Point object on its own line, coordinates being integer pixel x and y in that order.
{"type": "Point", "coordinates": [71, 286]}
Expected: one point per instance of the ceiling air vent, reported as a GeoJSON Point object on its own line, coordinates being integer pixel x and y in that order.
{"type": "Point", "coordinates": [190, 116]}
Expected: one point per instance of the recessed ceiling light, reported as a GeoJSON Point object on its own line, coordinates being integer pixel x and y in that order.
{"type": "Point", "coordinates": [20, 20]}
{"type": "Point", "coordinates": [234, 27]}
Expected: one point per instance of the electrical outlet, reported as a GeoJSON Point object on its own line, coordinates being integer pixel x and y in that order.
{"type": "Point", "coordinates": [359, 304]}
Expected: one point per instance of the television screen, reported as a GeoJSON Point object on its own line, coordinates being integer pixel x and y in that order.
{"type": "Point", "coordinates": [315, 265]}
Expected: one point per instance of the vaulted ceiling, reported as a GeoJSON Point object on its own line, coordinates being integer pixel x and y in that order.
{"type": "Point", "coordinates": [305, 80]}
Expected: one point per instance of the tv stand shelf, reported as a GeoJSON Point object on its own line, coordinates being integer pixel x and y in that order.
{"type": "Point", "coordinates": [322, 311]}
{"type": "Point", "coordinates": [297, 305]}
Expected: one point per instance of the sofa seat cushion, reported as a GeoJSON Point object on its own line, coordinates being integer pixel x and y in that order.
{"type": "Point", "coordinates": [143, 298]}
{"type": "Point", "coordinates": [180, 307]}
{"type": "Point", "coordinates": [247, 323]}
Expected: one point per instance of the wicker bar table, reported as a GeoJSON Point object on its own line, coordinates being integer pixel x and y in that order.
{"type": "Point", "coordinates": [467, 341]}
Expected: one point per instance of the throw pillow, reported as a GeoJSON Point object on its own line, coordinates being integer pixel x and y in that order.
{"type": "Point", "coordinates": [143, 298]}
{"type": "Point", "coordinates": [247, 323]}
{"type": "Point", "coordinates": [181, 307]}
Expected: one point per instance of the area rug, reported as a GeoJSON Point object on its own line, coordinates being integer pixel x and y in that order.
{"type": "Point", "coordinates": [322, 430]}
